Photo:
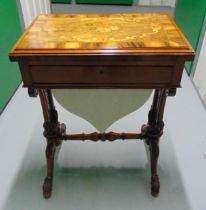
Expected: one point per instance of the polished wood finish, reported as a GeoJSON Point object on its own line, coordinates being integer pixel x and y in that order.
{"type": "Point", "coordinates": [80, 51]}
{"type": "Point", "coordinates": [102, 51]}
{"type": "Point", "coordinates": [111, 136]}
{"type": "Point", "coordinates": [79, 72]}
{"type": "Point", "coordinates": [135, 33]}
{"type": "Point", "coordinates": [153, 131]}
{"type": "Point", "coordinates": [53, 131]}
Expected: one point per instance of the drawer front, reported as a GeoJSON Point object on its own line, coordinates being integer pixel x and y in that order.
{"type": "Point", "coordinates": [101, 76]}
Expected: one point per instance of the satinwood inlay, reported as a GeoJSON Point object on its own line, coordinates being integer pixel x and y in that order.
{"type": "Point", "coordinates": [135, 32]}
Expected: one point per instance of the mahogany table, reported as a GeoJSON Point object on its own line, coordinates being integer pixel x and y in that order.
{"type": "Point", "coordinates": [138, 51]}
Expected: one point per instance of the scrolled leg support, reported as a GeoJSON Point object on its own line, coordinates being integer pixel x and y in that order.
{"type": "Point", "coordinates": [154, 150]}
{"type": "Point", "coordinates": [50, 152]}
{"type": "Point", "coordinates": [56, 132]}
{"type": "Point", "coordinates": [53, 131]}
{"type": "Point", "coordinates": [153, 135]}
{"type": "Point", "coordinates": [153, 131]}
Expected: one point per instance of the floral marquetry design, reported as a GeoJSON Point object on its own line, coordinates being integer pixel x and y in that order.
{"type": "Point", "coordinates": [116, 31]}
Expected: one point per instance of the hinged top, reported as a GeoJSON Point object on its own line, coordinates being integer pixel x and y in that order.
{"type": "Point", "coordinates": [151, 33]}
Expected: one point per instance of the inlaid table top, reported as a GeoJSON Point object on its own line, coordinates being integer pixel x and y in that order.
{"type": "Point", "coordinates": [102, 51]}
{"type": "Point", "coordinates": [154, 33]}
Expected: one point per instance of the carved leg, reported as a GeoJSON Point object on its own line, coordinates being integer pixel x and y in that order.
{"type": "Point", "coordinates": [153, 131]}
{"type": "Point", "coordinates": [53, 131]}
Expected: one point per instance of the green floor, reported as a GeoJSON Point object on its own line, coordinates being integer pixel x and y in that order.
{"type": "Point", "coordinates": [127, 2]}
{"type": "Point", "coordinates": [61, 1]}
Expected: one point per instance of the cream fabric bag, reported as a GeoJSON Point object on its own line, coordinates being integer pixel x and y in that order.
{"type": "Point", "coordinates": [101, 107]}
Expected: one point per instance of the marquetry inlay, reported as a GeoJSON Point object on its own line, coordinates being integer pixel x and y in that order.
{"type": "Point", "coordinates": [103, 32]}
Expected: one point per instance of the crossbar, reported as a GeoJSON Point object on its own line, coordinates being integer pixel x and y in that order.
{"type": "Point", "coordinates": [111, 136]}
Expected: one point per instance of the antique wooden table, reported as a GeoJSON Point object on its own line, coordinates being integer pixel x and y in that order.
{"type": "Point", "coordinates": [138, 51]}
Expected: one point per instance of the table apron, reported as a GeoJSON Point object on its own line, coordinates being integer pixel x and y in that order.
{"type": "Point", "coordinates": [108, 76]}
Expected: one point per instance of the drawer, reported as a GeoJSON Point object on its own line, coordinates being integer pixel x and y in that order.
{"type": "Point", "coordinates": [101, 76]}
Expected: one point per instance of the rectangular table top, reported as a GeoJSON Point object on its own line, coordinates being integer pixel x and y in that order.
{"type": "Point", "coordinates": [102, 51]}
{"type": "Point", "coordinates": [64, 34]}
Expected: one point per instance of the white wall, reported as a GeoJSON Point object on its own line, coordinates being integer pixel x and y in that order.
{"type": "Point", "coordinates": [200, 72]}
{"type": "Point", "coordinates": [32, 8]}
{"type": "Point", "coordinates": [157, 2]}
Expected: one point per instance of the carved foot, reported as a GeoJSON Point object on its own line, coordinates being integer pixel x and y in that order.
{"type": "Point", "coordinates": [155, 185]}
{"type": "Point", "coordinates": [47, 187]}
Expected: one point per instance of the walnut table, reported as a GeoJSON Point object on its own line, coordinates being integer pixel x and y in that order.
{"type": "Point", "coordinates": [138, 51]}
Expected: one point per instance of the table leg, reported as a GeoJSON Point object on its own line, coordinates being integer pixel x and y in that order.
{"type": "Point", "coordinates": [153, 131]}
{"type": "Point", "coordinates": [53, 132]}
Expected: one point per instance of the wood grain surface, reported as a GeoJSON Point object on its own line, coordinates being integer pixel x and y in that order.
{"type": "Point", "coordinates": [111, 33]}
{"type": "Point", "coordinates": [102, 51]}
